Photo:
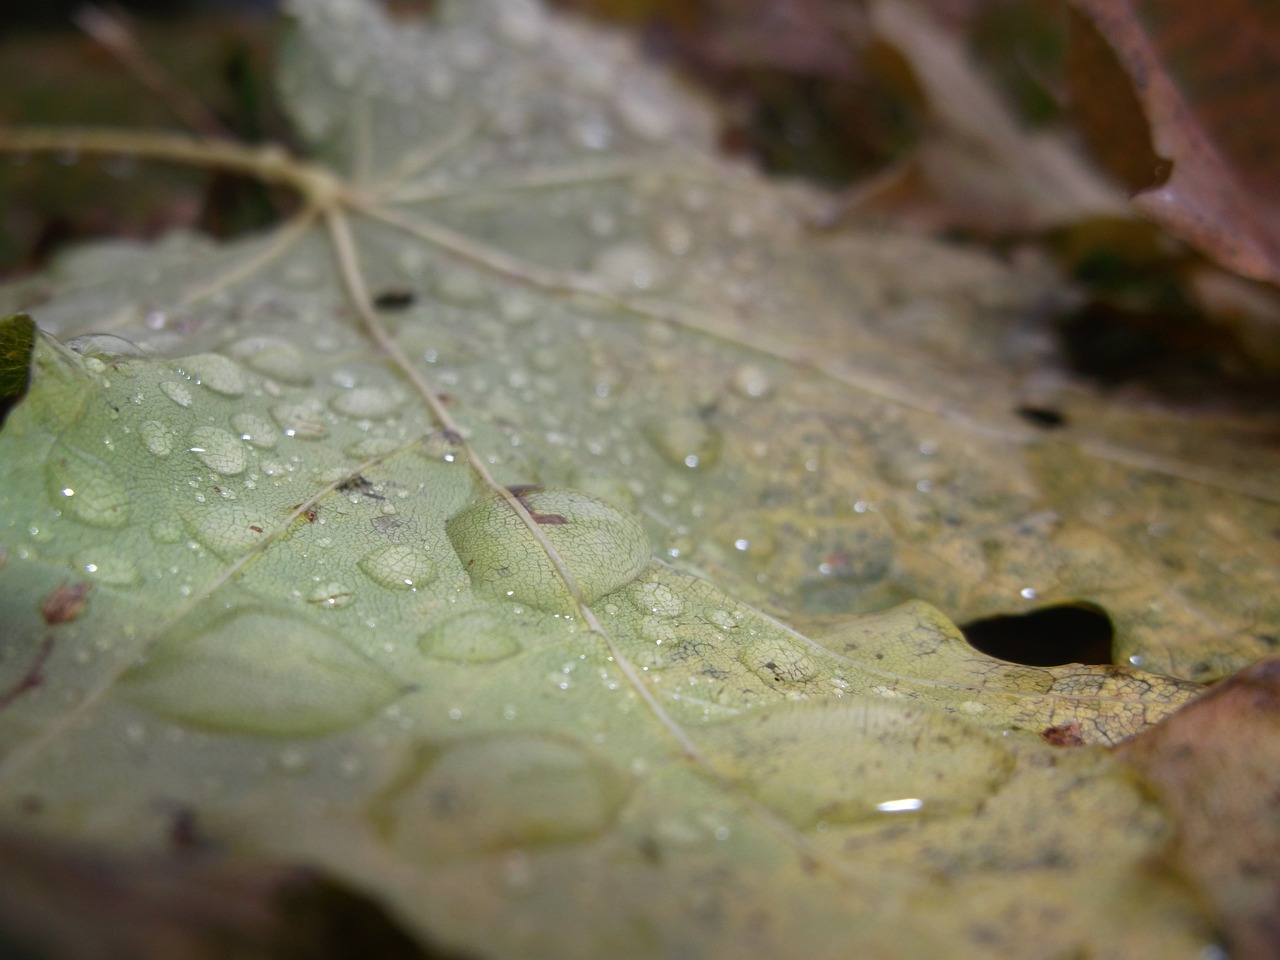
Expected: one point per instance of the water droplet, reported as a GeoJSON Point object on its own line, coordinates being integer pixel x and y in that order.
{"type": "Point", "coordinates": [398, 566]}
{"type": "Point", "coordinates": [478, 797]}
{"type": "Point", "coordinates": [220, 374]}
{"type": "Point", "coordinates": [276, 358]}
{"type": "Point", "coordinates": [602, 547]}
{"type": "Point", "coordinates": [85, 488]}
{"type": "Point", "coordinates": [255, 430]}
{"type": "Point", "coordinates": [366, 403]}
{"type": "Point", "coordinates": [646, 110]}
{"type": "Point", "coordinates": [301, 420]}
{"type": "Point", "coordinates": [629, 267]}
{"type": "Point", "coordinates": [521, 23]}
{"type": "Point", "coordinates": [157, 437]}
{"type": "Point", "coordinates": [258, 672]}
{"type": "Point", "coordinates": [751, 382]}
{"type": "Point", "coordinates": [227, 528]}
{"type": "Point", "coordinates": [176, 391]}
{"type": "Point", "coordinates": [470, 636]}
{"type": "Point", "coordinates": [218, 450]}
{"type": "Point", "coordinates": [368, 448]}
{"type": "Point", "coordinates": [104, 345]}
{"type": "Point", "coordinates": [685, 440]}
{"type": "Point", "coordinates": [657, 599]}
{"type": "Point", "coordinates": [778, 660]}
{"type": "Point", "coordinates": [331, 596]}
{"type": "Point", "coordinates": [103, 566]}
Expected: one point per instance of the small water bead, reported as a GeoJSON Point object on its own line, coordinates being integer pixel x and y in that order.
{"type": "Point", "coordinates": [218, 373]}
{"type": "Point", "coordinates": [85, 488]}
{"type": "Point", "coordinates": [367, 403]}
{"type": "Point", "coordinates": [302, 420]}
{"type": "Point", "coordinates": [462, 287]}
{"type": "Point", "coordinates": [157, 437]}
{"type": "Point", "coordinates": [630, 267]}
{"type": "Point", "coordinates": [469, 636]}
{"type": "Point", "coordinates": [751, 382]}
{"type": "Point", "coordinates": [398, 566]}
{"type": "Point", "coordinates": [657, 599]}
{"type": "Point", "coordinates": [685, 440]}
{"type": "Point", "coordinates": [255, 430]}
{"type": "Point", "coordinates": [778, 660]}
{"type": "Point", "coordinates": [218, 450]}
{"type": "Point", "coordinates": [176, 391]}
{"type": "Point", "coordinates": [602, 548]}
{"type": "Point", "coordinates": [226, 528]}
{"type": "Point", "coordinates": [275, 357]}
{"type": "Point", "coordinates": [332, 595]}
{"type": "Point", "coordinates": [105, 567]}
{"type": "Point", "coordinates": [646, 109]}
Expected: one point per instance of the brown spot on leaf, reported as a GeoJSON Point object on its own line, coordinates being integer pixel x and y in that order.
{"type": "Point", "coordinates": [1063, 735]}
{"type": "Point", "coordinates": [65, 603]}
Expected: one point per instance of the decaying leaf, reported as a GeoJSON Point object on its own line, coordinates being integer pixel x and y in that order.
{"type": "Point", "coordinates": [467, 538]}
{"type": "Point", "coordinates": [1207, 85]}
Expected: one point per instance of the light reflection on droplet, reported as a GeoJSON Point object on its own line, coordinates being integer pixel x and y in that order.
{"type": "Point", "coordinates": [904, 805]}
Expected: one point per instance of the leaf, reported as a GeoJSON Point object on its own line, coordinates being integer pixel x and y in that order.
{"type": "Point", "coordinates": [453, 539]}
{"type": "Point", "coordinates": [1206, 84]}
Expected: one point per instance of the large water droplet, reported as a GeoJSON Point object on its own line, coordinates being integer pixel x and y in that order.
{"type": "Point", "coordinates": [603, 548]}
{"type": "Point", "coordinates": [257, 672]}
{"type": "Point", "coordinates": [301, 420]}
{"type": "Point", "coordinates": [685, 440]}
{"type": "Point", "coordinates": [779, 660]}
{"type": "Point", "coordinates": [255, 430]}
{"type": "Point", "coordinates": [657, 599]}
{"type": "Point", "coordinates": [276, 358]}
{"type": "Point", "coordinates": [107, 567]}
{"type": "Point", "coordinates": [220, 374]}
{"type": "Point", "coordinates": [480, 797]}
{"type": "Point", "coordinates": [228, 529]}
{"type": "Point", "coordinates": [366, 403]}
{"type": "Point", "coordinates": [470, 636]}
{"type": "Point", "coordinates": [398, 566]}
{"type": "Point", "coordinates": [176, 391]}
{"type": "Point", "coordinates": [157, 437]}
{"type": "Point", "coordinates": [331, 595]}
{"type": "Point", "coordinates": [85, 488]}
{"type": "Point", "coordinates": [218, 450]}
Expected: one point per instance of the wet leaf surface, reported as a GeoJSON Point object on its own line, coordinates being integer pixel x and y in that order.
{"type": "Point", "coordinates": [555, 537]}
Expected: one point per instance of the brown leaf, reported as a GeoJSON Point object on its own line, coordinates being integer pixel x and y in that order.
{"type": "Point", "coordinates": [1217, 766]}
{"type": "Point", "coordinates": [1206, 78]}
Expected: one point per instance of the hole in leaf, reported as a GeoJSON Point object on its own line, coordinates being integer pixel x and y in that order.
{"type": "Point", "coordinates": [1049, 637]}
{"type": "Point", "coordinates": [1046, 418]}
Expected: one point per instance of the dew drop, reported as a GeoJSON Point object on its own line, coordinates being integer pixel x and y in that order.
{"type": "Point", "coordinates": [645, 110]}
{"type": "Point", "coordinates": [258, 672]}
{"type": "Point", "coordinates": [276, 358]}
{"type": "Point", "coordinates": [218, 450]}
{"type": "Point", "coordinates": [469, 636]}
{"type": "Point", "coordinates": [176, 391]}
{"type": "Point", "coordinates": [778, 660]}
{"type": "Point", "coordinates": [478, 797]}
{"type": "Point", "coordinates": [108, 568]}
{"type": "Point", "coordinates": [398, 566]}
{"type": "Point", "coordinates": [301, 420]}
{"type": "Point", "coordinates": [461, 287]}
{"type": "Point", "coordinates": [331, 596]}
{"type": "Point", "coordinates": [157, 437]}
{"type": "Point", "coordinates": [366, 403]}
{"type": "Point", "coordinates": [685, 440]}
{"type": "Point", "coordinates": [216, 372]}
{"type": "Point", "coordinates": [255, 430]}
{"type": "Point", "coordinates": [657, 599]}
{"type": "Point", "coordinates": [751, 382]}
{"type": "Point", "coordinates": [226, 528]}
{"type": "Point", "coordinates": [630, 267]}
{"type": "Point", "coordinates": [85, 488]}
{"type": "Point", "coordinates": [602, 547]}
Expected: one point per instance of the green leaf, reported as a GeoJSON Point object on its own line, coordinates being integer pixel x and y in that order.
{"type": "Point", "coordinates": [468, 538]}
